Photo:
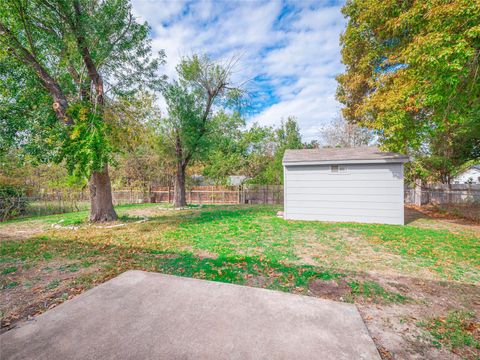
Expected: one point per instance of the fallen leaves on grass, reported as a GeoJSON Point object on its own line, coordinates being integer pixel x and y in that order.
{"type": "Point", "coordinates": [459, 331]}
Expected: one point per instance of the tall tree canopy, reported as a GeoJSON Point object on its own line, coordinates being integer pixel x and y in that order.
{"type": "Point", "coordinates": [412, 74]}
{"type": "Point", "coordinates": [63, 65]}
{"type": "Point", "coordinates": [203, 85]}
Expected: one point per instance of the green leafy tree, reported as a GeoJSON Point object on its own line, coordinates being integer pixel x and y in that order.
{"type": "Point", "coordinates": [62, 64]}
{"type": "Point", "coordinates": [286, 136]}
{"type": "Point", "coordinates": [226, 155]}
{"type": "Point", "coordinates": [140, 161]}
{"type": "Point", "coordinates": [259, 143]}
{"type": "Point", "coordinates": [412, 75]}
{"type": "Point", "coordinates": [237, 150]}
{"type": "Point", "coordinates": [203, 84]}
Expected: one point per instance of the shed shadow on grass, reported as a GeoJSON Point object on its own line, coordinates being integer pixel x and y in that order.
{"type": "Point", "coordinates": [412, 215]}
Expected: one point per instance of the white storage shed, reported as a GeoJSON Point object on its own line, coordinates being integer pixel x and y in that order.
{"type": "Point", "coordinates": [350, 184]}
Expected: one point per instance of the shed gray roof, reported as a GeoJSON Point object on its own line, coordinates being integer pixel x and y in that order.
{"type": "Point", "coordinates": [341, 155]}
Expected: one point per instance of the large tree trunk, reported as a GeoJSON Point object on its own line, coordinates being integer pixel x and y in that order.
{"type": "Point", "coordinates": [179, 198]}
{"type": "Point", "coordinates": [100, 189]}
{"type": "Point", "coordinates": [101, 204]}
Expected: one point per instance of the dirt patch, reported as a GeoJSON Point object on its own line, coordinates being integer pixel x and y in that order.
{"type": "Point", "coordinates": [258, 281]}
{"type": "Point", "coordinates": [148, 211]}
{"type": "Point", "coordinates": [29, 291]}
{"type": "Point", "coordinates": [395, 331]}
{"type": "Point", "coordinates": [330, 289]}
{"type": "Point", "coordinates": [22, 230]}
{"type": "Point", "coordinates": [396, 328]}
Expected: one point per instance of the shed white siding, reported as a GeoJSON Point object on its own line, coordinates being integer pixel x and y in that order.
{"type": "Point", "coordinates": [370, 193]}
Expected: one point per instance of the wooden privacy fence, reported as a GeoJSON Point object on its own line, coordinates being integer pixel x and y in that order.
{"type": "Point", "coordinates": [247, 194]}
{"type": "Point", "coordinates": [440, 194]}
{"type": "Point", "coordinates": [273, 194]}
{"type": "Point", "coordinates": [57, 202]}
{"type": "Point", "coordinates": [65, 201]}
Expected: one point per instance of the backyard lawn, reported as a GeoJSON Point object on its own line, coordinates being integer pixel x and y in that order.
{"type": "Point", "coordinates": [416, 286]}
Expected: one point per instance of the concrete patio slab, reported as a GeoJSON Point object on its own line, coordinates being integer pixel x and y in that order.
{"type": "Point", "coordinates": [140, 315]}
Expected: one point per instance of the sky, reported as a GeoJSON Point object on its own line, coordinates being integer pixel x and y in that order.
{"type": "Point", "coordinates": [288, 52]}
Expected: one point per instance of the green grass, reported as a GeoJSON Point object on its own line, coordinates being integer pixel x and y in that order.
{"type": "Point", "coordinates": [78, 217]}
{"type": "Point", "coordinates": [251, 241]}
{"type": "Point", "coordinates": [374, 292]}
{"type": "Point", "coordinates": [255, 232]}
{"type": "Point", "coordinates": [247, 245]}
{"type": "Point", "coordinates": [53, 284]}
{"type": "Point", "coordinates": [9, 285]}
{"type": "Point", "coordinates": [258, 232]}
{"type": "Point", "coordinates": [455, 330]}
{"type": "Point", "coordinates": [9, 270]}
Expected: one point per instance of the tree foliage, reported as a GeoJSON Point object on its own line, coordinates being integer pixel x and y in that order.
{"type": "Point", "coordinates": [412, 75]}
{"type": "Point", "coordinates": [72, 60]}
{"type": "Point", "coordinates": [203, 87]}
{"type": "Point", "coordinates": [286, 136]}
{"type": "Point", "coordinates": [238, 150]}
{"type": "Point", "coordinates": [78, 55]}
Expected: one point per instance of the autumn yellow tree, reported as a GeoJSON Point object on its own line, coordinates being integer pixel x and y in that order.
{"type": "Point", "coordinates": [412, 74]}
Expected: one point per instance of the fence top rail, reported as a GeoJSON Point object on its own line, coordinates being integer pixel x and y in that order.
{"type": "Point", "coordinates": [452, 190]}
{"type": "Point", "coordinates": [457, 187]}
{"type": "Point", "coordinates": [452, 187]}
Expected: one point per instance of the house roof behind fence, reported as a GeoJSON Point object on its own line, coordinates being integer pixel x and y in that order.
{"type": "Point", "coordinates": [366, 154]}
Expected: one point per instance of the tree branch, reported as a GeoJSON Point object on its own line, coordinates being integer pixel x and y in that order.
{"type": "Point", "coordinates": [26, 28]}
{"type": "Point", "coordinates": [93, 73]}
{"type": "Point", "coordinates": [60, 103]}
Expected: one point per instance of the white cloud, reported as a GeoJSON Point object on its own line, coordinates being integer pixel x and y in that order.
{"type": "Point", "coordinates": [294, 47]}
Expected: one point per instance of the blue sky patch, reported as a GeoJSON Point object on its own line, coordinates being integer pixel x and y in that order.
{"type": "Point", "coordinates": [288, 51]}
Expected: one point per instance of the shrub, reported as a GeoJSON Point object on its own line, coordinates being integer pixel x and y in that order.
{"type": "Point", "coordinates": [13, 202]}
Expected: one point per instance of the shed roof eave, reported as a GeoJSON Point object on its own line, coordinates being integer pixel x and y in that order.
{"type": "Point", "coordinates": [346, 161]}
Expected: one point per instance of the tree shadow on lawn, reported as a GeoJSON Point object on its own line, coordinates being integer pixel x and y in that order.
{"type": "Point", "coordinates": [205, 214]}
